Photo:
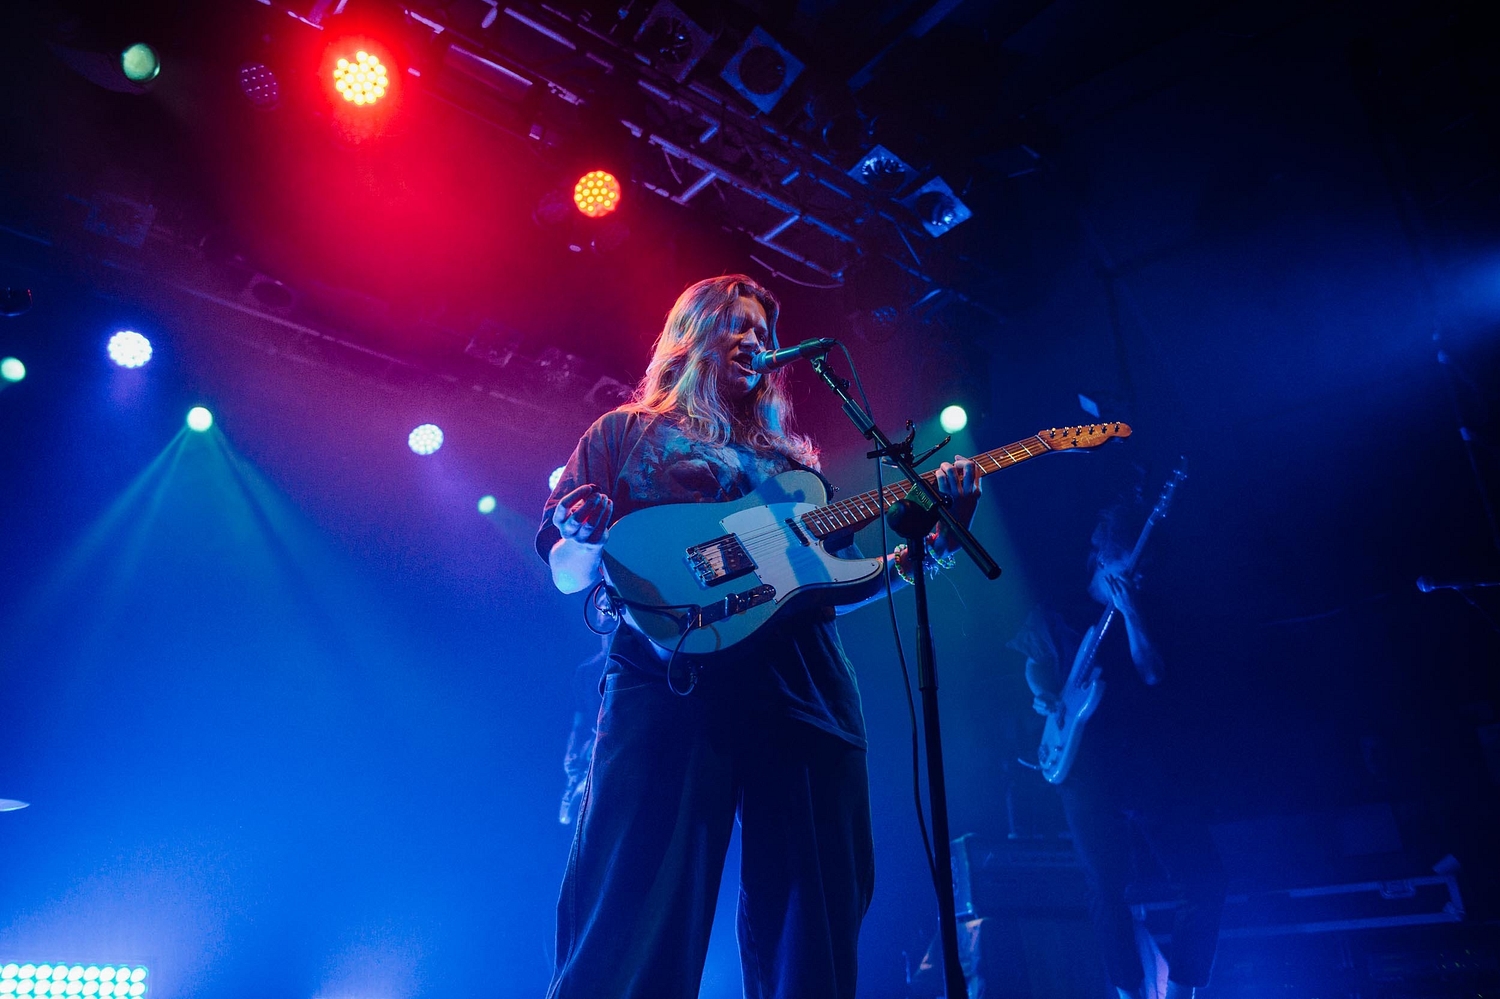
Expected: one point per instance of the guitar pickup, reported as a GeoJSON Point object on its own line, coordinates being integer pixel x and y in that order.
{"type": "Point", "coordinates": [720, 560]}
{"type": "Point", "coordinates": [734, 603]}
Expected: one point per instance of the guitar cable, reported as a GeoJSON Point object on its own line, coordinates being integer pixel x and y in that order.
{"type": "Point", "coordinates": [607, 604]}
{"type": "Point", "coordinates": [890, 601]}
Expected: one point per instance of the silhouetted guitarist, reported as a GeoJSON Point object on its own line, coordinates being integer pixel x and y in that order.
{"type": "Point", "coordinates": [1121, 778]}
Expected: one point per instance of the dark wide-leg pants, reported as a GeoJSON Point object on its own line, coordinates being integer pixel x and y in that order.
{"type": "Point", "coordinates": [1100, 820]}
{"type": "Point", "coordinates": [669, 776]}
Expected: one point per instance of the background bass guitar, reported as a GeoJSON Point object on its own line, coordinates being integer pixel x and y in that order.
{"type": "Point", "coordinates": [1080, 695]}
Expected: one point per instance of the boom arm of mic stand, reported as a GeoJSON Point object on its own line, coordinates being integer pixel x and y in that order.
{"type": "Point", "coordinates": [901, 458]}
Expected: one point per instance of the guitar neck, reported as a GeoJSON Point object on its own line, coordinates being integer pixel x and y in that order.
{"type": "Point", "coordinates": [1140, 545]}
{"type": "Point", "coordinates": [855, 512]}
{"type": "Point", "coordinates": [1157, 513]}
{"type": "Point", "coordinates": [1083, 659]}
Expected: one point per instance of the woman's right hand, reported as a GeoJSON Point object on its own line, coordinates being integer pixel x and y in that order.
{"type": "Point", "coordinates": [583, 515]}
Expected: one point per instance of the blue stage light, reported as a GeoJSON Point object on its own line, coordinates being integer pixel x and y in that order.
{"type": "Point", "coordinates": [33, 981]}
{"type": "Point", "coordinates": [953, 419]}
{"type": "Point", "coordinates": [486, 504]}
{"type": "Point", "coordinates": [129, 349]}
{"type": "Point", "coordinates": [425, 439]}
{"type": "Point", "coordinates": [12, 370]}
{"type": "Point", "coordinates": [555, 477]}
{"type": "Point", "coordinates": [198, 419]}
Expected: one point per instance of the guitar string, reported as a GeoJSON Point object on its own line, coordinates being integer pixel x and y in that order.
{"type": "Point", "coordinates": [861, 501]}
{"type": "Point", "coordinates": [827, 519]}
{"type": "Point", "coordinates": [824, 521]}
{"type": "Point", "coordinates": [853, 508]}
{"type": "Point", "coordinates": [858, 508]}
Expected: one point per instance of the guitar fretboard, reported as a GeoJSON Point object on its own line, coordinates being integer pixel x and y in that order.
{"type": "Point", "coordinates": [857, 511]}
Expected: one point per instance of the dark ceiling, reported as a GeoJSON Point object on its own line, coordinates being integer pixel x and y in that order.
{"type": "Point", "coordinates": [421, 237]}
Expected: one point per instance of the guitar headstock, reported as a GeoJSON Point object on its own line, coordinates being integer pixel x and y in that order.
{"type": "Point", "coordinates": [1167, 491]}
{"type": "Point", "coordinates": [1073, 438]}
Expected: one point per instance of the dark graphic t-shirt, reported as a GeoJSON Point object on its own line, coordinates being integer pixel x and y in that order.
{"type": "Point", "coordinates": [793, 668]}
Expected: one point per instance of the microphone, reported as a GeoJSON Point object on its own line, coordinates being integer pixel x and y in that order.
{"type": "Point", "coordinates": [770, 360]}
{"type": "Point", "coordinates": [1427, 584]}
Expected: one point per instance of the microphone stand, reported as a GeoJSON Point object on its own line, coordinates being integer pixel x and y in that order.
{"type": "Point", "coordinates": [912, 517]}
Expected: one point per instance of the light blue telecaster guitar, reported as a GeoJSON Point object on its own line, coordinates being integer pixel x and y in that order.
{"type": "Point", "coordinates": [701, 577]}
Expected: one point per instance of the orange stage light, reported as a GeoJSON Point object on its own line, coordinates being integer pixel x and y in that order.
{"type": "Point", "coordinates": [597, 193]}
{"type": "Point", "coordinates": [361, 80]}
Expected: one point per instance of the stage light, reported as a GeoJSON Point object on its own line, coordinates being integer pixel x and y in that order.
{"type": "Point", "coordinates": [674, 42]}
{"type": "Point", "coordinates": [555, 478]}
{"type": "Point", "coordinates": [259, 85]}
{"type": "Point", "coordinates": [139, 63]}
{"type": "Point", "coordinates": [486, 505]}
{"type": "Point", "coordinates": [129, 349]}
{"type": "Point", "coordinates": [597, 193]}
{"type": "Point", "coordinates": [953, 419]}
{"type": "Point", "coordinates": [36, 980]}
{"type": "Point", "coordinates": [883, 170]}
{"type": "Point", "coordinates": [762, 70]}
{"type": "Point", "coordinates": [362, 79]}
{"type": "Point", "coordinates": [12, 370]}
{"type": "Point", "coordinates": [425, 439]}
{"type": "Point", "coordinates": [937, 207]}
{"type": "Point", "coordinates": [198, 419]}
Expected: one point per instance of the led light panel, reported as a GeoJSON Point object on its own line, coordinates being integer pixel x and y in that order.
{"type": "Point", "coordinates": [108, 981]}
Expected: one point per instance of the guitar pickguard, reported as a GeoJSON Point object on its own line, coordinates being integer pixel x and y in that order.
{"type": "Point", "coordinates": [727, 568]}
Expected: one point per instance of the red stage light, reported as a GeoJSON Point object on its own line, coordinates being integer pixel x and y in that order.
{"type": "Point", "coordinates": [597, 193]}
{"type": "Point", "coordinates": [361, 80]}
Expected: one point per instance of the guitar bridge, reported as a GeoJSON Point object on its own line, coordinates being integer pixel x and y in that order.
{"type": "Point", "coordinates": [734, 603]}
{"type": "Point", "coordinates": [720, 560]}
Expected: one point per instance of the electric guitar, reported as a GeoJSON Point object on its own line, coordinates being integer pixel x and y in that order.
{"type": "Point", "coordinates": [1080, 695]}
{"type": "Point", "coordinates": [701, 577]}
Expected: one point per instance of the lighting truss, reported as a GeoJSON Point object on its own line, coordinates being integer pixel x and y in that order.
{"type": "Point", "coordinates": [550, 74]}
{"type": "Point", "coordinates": [699, 141]}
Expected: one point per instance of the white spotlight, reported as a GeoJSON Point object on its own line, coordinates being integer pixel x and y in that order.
{"type": "Point", "coordinates": [129, 349]}
{"type": "Point", "coordinates": [425, 439]}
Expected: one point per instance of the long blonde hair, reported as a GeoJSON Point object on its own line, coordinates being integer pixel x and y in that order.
{"type": "Point", "coordinates": [682, 379]}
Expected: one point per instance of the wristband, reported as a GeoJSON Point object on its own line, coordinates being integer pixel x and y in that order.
{"type": "Point", "coordinates": [931, 560]}
{"type": "Point", "coordinates": [898, 554]}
